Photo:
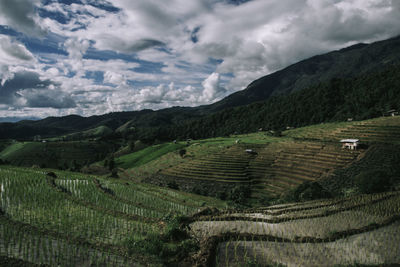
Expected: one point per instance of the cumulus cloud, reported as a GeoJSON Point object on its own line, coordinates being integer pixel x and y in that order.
{"type": "Point", "coordinates": [212, 89]}
{"type": "Point", "coordinates": [12, 53]}
{"type": "Point", "coordinates": [251, 39]}
{"type": "Point", "coordinates": [124, 55]}
{"type": "Point", "coordinates": [76, 48]}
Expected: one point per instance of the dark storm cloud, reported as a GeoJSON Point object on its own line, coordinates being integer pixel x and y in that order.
{"type": "Point", "coordinates": [26, 89]}
{"type": "Point", "coordinates": [21, 81]}
{"type": "Point", "coordinates": [49, 100]}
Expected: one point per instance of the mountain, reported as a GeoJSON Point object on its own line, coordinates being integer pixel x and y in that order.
{"type": "Point", "coordinates": [345, 63]}
{"type": "Point", "coordinates": [372, 94]}
{"type": "Point", "coordinates": [348, 63]}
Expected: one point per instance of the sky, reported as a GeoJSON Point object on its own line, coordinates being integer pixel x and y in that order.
{"type": "Point", "coordinates": [87, 57]}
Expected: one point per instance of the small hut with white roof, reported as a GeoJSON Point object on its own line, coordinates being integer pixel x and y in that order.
{"type": "Point", "coordinates": [350, 143]}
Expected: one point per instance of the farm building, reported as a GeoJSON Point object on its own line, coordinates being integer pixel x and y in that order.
{"type": "Point", "coordinates": [392, 113]}
{"type": "Point", "coordinates": [350, 143]}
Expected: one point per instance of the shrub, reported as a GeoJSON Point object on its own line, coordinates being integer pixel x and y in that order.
{"type": "Point", "coordinates": [374, 181]}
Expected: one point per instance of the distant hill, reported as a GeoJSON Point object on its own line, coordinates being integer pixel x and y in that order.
{"type": "Point", "coordinates": [346, 64]}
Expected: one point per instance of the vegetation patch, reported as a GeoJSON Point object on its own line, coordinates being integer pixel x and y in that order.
{"type": "Point", "coordinates": [146, 155]}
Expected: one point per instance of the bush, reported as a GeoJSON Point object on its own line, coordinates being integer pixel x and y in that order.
{"type": "Point", "coordinates": [308, 191]}
{"type": "Point", "coordinates": [374, 181]}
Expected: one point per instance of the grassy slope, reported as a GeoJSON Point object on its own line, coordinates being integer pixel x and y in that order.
{"type": "Point", "coordinates": [54, 154]}
{"type": "Point", "coordinates": [16, 148]}
{"type": "Point", "coordinates": [91, 133]}
{"type": "Point", "coordinates": [146, 155]}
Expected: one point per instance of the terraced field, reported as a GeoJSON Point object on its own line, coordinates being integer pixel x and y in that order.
{"type": "Point", "coordinates": [79, 220]}
{"type": "Point", "coordinates": [364, 229]}
{"type": "Point", "coordinates": [286, 165]}
{"type": "Point", "coordinates": [272, 169]}
{"type": "Point", "coordinates": [379, 130]}
{"type": "Point", "coordinates": [227, 165]}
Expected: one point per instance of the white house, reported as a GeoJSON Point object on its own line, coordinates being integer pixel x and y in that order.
{"type": "Point", "coordinates": [350, 143]}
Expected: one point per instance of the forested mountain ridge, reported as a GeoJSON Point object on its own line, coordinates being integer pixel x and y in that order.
{"type": "Point", "coordinates": [345, 63]}
{"type": "Point", "coordinates": [366, 96]}
{"type": "Point", "coordinates": [299, 86]}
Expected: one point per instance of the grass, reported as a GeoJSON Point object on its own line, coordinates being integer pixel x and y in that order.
{"type": "Point", "coordinates": [146, 155]}
{"type": "Point", "coordinates": [16, 147]}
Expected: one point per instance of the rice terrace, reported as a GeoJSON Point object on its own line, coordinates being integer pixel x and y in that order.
{"type": "Point", "coordinates": [227, 133]}
{"type": "Point", "coordinates": [52, 217]}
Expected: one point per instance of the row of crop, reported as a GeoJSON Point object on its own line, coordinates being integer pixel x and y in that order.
{"type": "Point", "coordinates": [130, 194]}
{"type": "Point", "coordinates": [28, 198]}
{"type": "Point", "coordinates": [86, 191]}
{"type": "Point", "coordinates": [313, 226]}
{"type": "Point", "coordinates": [308, 212]}
{"type": "Point", "coordinates": [375, 248]}
{"type": "Point", "coordinates": [38, 248]}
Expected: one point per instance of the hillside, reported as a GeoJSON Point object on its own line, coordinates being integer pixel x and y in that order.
{"type": "Point", "coordinates": [348, 62]}
{"type": "Point", "coordinates": [313, 76]}
{"type": "Point", "coordinates": [290, 197]}
{"type": "Point", "coordinates": [304, 163]}
{"type": "Point", "coordinates": [359, 98]}
{"type": "Point", "coordinates": [57, 155]}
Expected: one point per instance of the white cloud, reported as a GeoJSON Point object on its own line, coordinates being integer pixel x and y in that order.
{"type": "Point", "coordinates": [212, 89]}
{"type": "Point", "coordinates": [76, 48]}
{"type": "Point", "coordinates": [182, 42]}
{"type": "Point", "coordinates": [12, 53]}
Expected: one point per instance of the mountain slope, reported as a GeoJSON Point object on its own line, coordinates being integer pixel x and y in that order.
{"type": "Point", "coordinates": [345, 63]}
